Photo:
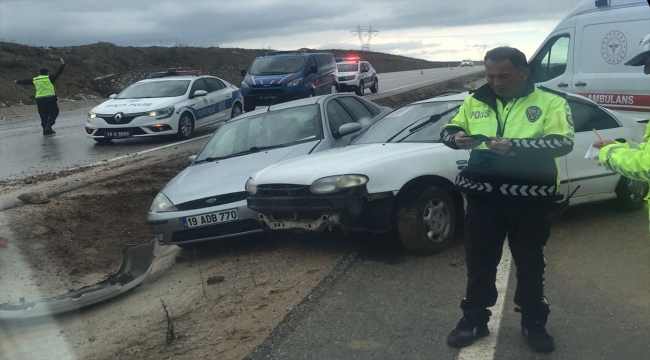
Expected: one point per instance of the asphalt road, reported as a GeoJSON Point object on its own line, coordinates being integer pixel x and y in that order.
{"type": "Point", "coordinates": [25, 152]}
{"type": "Point", "coordinates": [390, 305]}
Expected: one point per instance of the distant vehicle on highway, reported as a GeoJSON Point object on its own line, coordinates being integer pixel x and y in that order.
{"type": "Point", "coordinates": [207, 200]}
{"type": "Point", "coordinates": [399, 176]}
{"type": "Point", "coordinates": [466, 63]}
{"type": "Point", "coordinates": [168, 103]}
{"type": "Point", "coordinates": [356, 75]}
{"type": "Point", "coordinates": [281, 76]}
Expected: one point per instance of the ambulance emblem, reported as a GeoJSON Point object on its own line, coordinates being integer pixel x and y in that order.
{"type": "Point", "coordinates": [533, 113]}
{"type": "Point", "coordinates": [614, 47]}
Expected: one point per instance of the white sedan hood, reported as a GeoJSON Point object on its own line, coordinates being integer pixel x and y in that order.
{"type": "Point", "coordinates": [133, 106]}
{"type": "Point", "coordinates": [228, 175]}
{"type": "Point", "coordinates": [388, 166]}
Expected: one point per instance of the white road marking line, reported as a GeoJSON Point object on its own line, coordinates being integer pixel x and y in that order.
{"type": "Point", "coordinates": [135, 154]}
{"type": "Point", "coordinates": [421, 82]}
{"type": "Point", "coordinates": [485, 348]}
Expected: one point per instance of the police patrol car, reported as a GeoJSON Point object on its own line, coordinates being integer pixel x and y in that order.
{"type": "Point", "coordinates": [168, 103]}
{"type": "Point", "coordinates": [356, 75]}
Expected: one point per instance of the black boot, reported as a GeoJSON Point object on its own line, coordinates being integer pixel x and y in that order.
{"type": "Point", "coordinates": [48, 131]}
{"type": "Point", "coordinates": [466, 332]}
{"type": "Point", "coordinates": [536, 336]}
{"type": "Point", "coordinates": [48, 128]}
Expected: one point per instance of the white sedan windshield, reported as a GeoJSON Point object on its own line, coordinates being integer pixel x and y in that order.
{"type": "Point", "coordinates": [271, 129]}
{"type": "Point", "coordinates": [412, 123]}
{"type": "Point", "coordinates": [155, 89]}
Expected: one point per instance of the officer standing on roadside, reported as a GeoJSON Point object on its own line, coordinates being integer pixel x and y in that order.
{"type": "Point", "coordinates": [629, 159]}
{"type": "Point", "coordinates": [516, 132]}
{"type": "Point", "coordinates": [46, 99]}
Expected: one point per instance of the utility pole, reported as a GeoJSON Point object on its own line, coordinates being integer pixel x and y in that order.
{"type": "Point", "coordinates": [363, 34]}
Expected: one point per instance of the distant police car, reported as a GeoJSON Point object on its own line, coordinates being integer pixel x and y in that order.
{"type": "Point", "coordinates": [466, 63]}
{"type": "Point", "coordinates": [356, 75]}
{"type": "Point", "coordinates": [168, 103]}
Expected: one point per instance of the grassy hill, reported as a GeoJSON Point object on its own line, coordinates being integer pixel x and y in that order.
{"type": "Point", "coordinates": [88, 62]}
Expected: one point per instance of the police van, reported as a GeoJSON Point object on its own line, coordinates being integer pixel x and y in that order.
{"type": "Point", "coordinates": [587, 51]}
{"type": "Point", "coordinates": [281, 76]}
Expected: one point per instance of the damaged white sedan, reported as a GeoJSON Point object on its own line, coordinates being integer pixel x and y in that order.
{"type": "Point", "coordinates": [398, 176]}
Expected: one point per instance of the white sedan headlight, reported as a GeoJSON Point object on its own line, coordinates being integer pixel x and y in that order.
{"type": "Point", "coordinates": [162, 204]}
{"type": "Point", "coordinates": [91, 115]}
{"type": "Point", "coordinates": [162, 113]}
{"type": "Point", "coordinates": [250, 187]}
{"type": "Point", "coordinates": [332, 184]}
{"type": "Point", "coordinates": [295, 82]}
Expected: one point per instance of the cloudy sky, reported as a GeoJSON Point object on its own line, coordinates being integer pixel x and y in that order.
{"type": "Point", "coordinates": [428, 29]}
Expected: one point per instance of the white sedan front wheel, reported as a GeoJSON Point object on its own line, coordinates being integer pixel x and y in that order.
{"type": "Point", "coordinates": [426, 220]}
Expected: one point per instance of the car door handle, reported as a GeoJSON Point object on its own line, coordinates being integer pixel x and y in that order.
{"type": "Point", "coordinates": [580, 83]}
{"type": "Point", "coordinates": [562, 85]}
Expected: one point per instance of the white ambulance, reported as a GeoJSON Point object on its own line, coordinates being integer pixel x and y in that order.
{"type": "Point", "coordinates": [587, 51]}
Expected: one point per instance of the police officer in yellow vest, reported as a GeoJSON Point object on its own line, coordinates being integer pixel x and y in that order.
{"type": "Point", "coordinates": [629, 159]}
{"type": "Point", "coordinates": [46, 99]}
{"type": "Point", "coordinates": [516, 133]}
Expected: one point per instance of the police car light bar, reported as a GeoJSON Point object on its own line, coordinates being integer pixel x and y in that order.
{"type": "Point", "coordinates": [349, 58]}
{"type": "Point", "coordinates": [161, 74]}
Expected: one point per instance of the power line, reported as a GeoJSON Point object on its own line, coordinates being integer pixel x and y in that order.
{"type": "Point", "coordinates": [363, 34]}
{"type": "Point", "coordinates": [481, 49]}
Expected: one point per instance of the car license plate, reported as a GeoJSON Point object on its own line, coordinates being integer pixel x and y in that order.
{"type": "Point", "coordinates": [210, 219]}
{"type": "Point", "coordinates": [118, 134]}
{"type": "Point", "coordinates": [266, 97]}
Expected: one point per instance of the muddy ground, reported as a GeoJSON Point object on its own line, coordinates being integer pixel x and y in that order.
{"type": "Point", "coordinates": [77, 238]}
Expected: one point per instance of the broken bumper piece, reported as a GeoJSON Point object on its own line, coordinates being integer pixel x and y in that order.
{"type": "Point", "coordinates": [137, 263]}
{"type": "Point", "coordinates": [318, 225]}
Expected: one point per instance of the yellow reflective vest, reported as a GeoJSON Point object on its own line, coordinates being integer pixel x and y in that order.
{"type": "Point", "coordinates": [44, 86]}
{"type": "Point", "coordinates": [631, 160]}
{"type": "Point", "coordinates": [539, 126]}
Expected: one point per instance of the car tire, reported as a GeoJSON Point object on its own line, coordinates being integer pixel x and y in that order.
{"type": "Point", "coordinates": [375, 86]}
{"type": "Point", "coordinates": [236, 110]}
{"type": "Point", "coordinates": [311, 93]}
{"type": "Point", "coordinates": [426, 220]}
{"type": "Point", "coordinates": [360, 89]}
{"type": "Point", "coordinates": [185, 126]}
{"type": "Point", "coordinates": [630, 194]}
{"type": "Point", "coordinates": [103, 141]}
{"type": "Point", "coordinates": [248, 106]}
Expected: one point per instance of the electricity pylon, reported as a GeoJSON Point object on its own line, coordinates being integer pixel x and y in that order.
{"type": "Point", "coordinates": [363, 34]}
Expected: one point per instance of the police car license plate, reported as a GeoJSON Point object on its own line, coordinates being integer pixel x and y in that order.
{"type": "Point", "coordinates": [118, 134]}
{"type": "Point", "coordinates": [210, 219]}
{"type": "Point", "coordinates": [266, 97]}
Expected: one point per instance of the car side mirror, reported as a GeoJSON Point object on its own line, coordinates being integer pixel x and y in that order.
{"type": "Point", "coordinates": [349, 128]}
{"type": "Point", "coordinates": [199, 93]}
{"type": "Point", "coordinates": [313, 70]}
{"type": "Point", "coordinates": [113, 96]}
{"type": "Point", "coordinates": [243, 72]}
{"type": "Point", "coordinates": [191, 159]}
{"type": "Point", "coordinates": [364, 70]}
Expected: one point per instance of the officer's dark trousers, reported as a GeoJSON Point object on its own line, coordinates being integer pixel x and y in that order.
{"type": "Point", "coordinates": [48, 109]}
{"type": "Point", "coordinates": [487, 223]}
